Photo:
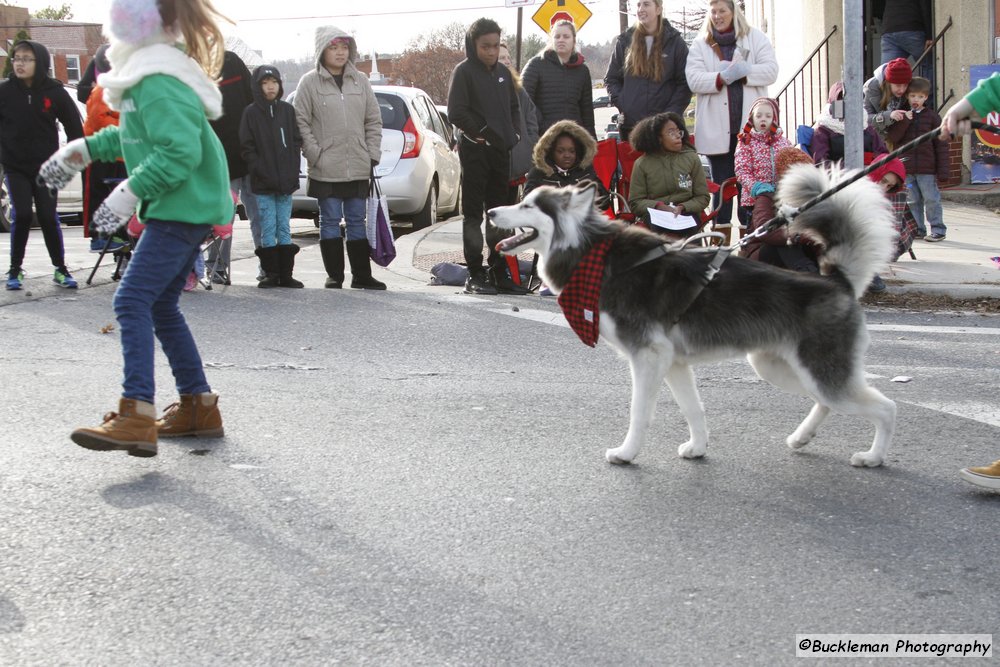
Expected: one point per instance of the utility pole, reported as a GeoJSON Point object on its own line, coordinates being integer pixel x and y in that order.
{"type": "Point", "coordinates": [854, 113]}
{"type": "Point", "coordinates": [517, 55]}
{"type": "Point", "coordinates": [623, 15]}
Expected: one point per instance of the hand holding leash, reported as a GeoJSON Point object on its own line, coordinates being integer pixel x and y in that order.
{"type": "Point", "coordinates": [64, 164]}
{"type": "Point", "coordinates": [956, 121]}
{"type": "Point", "coordinates": [115, 211]}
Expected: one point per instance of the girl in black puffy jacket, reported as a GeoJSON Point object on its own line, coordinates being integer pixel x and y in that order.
{"type": "Point", "coordinates": [558, 81]}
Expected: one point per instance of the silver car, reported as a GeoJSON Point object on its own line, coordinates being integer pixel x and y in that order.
{"type": "Point", "coordinates": [419, 171]}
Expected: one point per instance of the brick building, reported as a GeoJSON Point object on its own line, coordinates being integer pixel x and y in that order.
{"type": "Point", "coordinates": [71, 44]}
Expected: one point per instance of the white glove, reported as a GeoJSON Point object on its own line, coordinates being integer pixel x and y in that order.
{"type": "Point", "coordinates": [956, 121]}
{"type": "Point", "coordinates": [59, 169]}
{"type": "Point", "coordinates": [116, 209]}
{"type": "Point", "coordinates": [735, 72]}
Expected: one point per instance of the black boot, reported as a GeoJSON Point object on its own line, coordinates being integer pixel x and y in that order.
{"type": "Point", "coordinates": [361, 268]}
{"type": "Point", "coordinates": [333, 261]}
{"type": "Point", "coordinates": [269, 264]}
{"type": "Point", "coordinates": [286, 262]}
{"type": "Point", "coordinates": [499, 276]}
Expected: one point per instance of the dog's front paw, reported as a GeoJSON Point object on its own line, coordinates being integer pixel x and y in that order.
{"type": "Point", "coordinates": [618, 456]}
{"type": "Point", "coordinates": [799, 440]}
{"type": "Point", "coordinates": [866, 460]}
{"type": "Point", "coordinates": [692, 450]}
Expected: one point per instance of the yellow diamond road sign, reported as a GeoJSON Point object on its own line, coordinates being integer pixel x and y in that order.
{"type": "Point", "coordinates": [556, 10]}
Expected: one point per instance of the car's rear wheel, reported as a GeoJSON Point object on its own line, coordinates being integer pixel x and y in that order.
{"type": "Point", "coordinates": [428, 214]}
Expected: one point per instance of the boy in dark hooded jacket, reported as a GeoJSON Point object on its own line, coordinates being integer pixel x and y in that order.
{"type": "Point", "coordinates": [482, 103]}
{"type": "Point", "coordinates": [30, 104]}
{"type": "Point", "coordinates": [271, 145]}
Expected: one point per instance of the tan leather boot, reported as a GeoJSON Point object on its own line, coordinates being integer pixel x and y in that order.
{"type": "Point", "coordinates": [132, 429]}
{"type": "Point", "coordinates": [194, 414]}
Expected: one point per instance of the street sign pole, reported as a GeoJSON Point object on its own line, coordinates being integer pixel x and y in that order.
{"type": "Point", "coordinates": [517, 58]}
{"type": "Point", "coordinates": [854, 121]}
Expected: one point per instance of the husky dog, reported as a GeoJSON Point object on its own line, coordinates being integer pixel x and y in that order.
{"type": "Point", "coordinates": [804, 333]}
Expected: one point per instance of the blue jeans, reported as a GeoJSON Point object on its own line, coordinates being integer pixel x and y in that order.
{"type": "Point", "coordinates": [332, 210]}
{"type": "Point", "coordinates": [909, 43]}
{"type": "Point", "coordinates": [274, 213]}
{"type": "Point", "coordinates": [146, 303]}
{"type": "Point", "coordinates": [923, 197]}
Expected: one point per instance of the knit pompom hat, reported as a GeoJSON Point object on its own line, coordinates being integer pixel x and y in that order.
{"type": "Point", "coordinates": [898, 70]}
{"type": "Point", "coordinates": [137, 22]}
{"type": "Point", "coordinates": [772, 131]}
{"type": "Point", "coordinates": [786, 157]}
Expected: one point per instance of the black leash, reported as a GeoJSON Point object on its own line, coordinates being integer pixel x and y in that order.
{"type": "Point", "coordinates": [785, 217]}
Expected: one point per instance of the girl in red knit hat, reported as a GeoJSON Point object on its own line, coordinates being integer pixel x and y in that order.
{"type": "Point", "coordinates": [885, 94]}
{"type": "Point", "coordinates": [758, 144]}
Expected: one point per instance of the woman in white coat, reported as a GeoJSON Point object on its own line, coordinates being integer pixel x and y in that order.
{"type": "Point", "coordinates": [730, 64]}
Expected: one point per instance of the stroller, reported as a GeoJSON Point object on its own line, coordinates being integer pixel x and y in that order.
{"type": "Point", "coordinates": [133, 230]}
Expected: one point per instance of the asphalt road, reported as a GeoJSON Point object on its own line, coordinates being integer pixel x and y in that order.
{"type": "Point", "coordinates": [416, 477]}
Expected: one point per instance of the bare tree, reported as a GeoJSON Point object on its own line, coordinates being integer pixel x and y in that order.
{"type": "Point", "coordinates": [63, 13]}
{"type": "Point", "coordinates": [429, 68]}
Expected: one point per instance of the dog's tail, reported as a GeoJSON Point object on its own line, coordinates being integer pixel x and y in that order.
{"type": "Point", "coordinates": [854, 226]}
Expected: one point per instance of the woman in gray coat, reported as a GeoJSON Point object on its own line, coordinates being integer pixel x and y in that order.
{"type": "Point", "coordinates": [341, 128]}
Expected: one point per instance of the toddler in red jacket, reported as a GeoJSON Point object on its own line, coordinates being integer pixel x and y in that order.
{"type": "Point", "coordinates": [758, 144]}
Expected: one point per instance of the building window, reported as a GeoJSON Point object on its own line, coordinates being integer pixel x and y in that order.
{"type": "Point", "coordinates": [73, 69]}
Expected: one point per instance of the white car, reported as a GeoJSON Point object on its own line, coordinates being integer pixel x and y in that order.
{"type": "Point", "coordinates": [419, 171]}
{"type": "Point", "coordinates": [69, 204]}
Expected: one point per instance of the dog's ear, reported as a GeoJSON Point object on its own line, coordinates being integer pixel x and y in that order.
{"type": "Point", "coordinates": [583, 196]}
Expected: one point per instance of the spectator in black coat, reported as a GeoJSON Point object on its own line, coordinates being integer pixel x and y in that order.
{"type": "Point", "coordinates": [235, 84]}
{"type": "Point", "coordinates": [558, 81]}
{"type": "Point", "coordinates": [907, 29]}
{"type": "Point", "coordinates": [31, 102]}
{"type": "Point", "coordinates": [272, 148]}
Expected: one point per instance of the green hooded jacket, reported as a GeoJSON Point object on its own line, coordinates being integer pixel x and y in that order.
{"type": "Point", "coordinates": [175, 161]}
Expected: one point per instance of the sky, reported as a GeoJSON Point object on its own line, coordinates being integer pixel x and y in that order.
{"type": "Point", "coordinates": [387, 25]}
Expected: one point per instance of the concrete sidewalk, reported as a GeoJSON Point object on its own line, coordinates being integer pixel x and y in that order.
{"type": "Point", "coordinates": [959, 267]}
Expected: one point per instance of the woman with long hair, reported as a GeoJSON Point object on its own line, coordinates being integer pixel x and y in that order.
{"type": "Point", "coordinates": [646, 72]}
{"type": "Point", "coordinates": [558, 81]}
{"type": "Point", "coordinates": [731, 64]}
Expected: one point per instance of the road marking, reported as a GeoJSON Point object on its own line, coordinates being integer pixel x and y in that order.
{"type": "Point", "coordinates": [985, 413]}
{"type": "Point", "coordinates": [534, 315]}
{"type": "Point", "coordinates": [910, 328]}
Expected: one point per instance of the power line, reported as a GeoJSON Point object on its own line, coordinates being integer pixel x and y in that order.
{"type": "Point", "coordinates": [406, 12]}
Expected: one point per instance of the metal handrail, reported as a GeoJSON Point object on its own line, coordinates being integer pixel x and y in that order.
{"type": "Point", "coordinates": [791, 120]}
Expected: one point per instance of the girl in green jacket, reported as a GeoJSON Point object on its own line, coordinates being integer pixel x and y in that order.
{"type": "Point", "coordinates": [669, 176]}
{"type": "Point", "coordinates": [164, 56]}
{"type": "Point", "coordinates": [982, 100]}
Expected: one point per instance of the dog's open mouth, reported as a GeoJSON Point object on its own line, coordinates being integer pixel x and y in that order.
{"type": "Point", "coordinates": [526, 235]}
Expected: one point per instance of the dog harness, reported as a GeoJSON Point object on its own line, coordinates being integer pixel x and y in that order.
{"type": "Point", "coordinates": [581, 296]}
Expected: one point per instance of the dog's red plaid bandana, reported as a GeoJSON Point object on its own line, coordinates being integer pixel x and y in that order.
{"type": "Point", "coordinates": [579, 299]}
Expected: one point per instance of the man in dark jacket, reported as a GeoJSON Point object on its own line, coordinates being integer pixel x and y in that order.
{"type": "Point", "coordinates": [907, 29]}
{"type": "Point", "coordinates": [482, 103]}
{"type": "Point", "coordinates": [30, 104]}
{"type": "Point", "coordinates": [271, 146]}
{"type": "Point", "coordinates": [237, 93]}
{"type": "Point", "coordinates": [639, 97]}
